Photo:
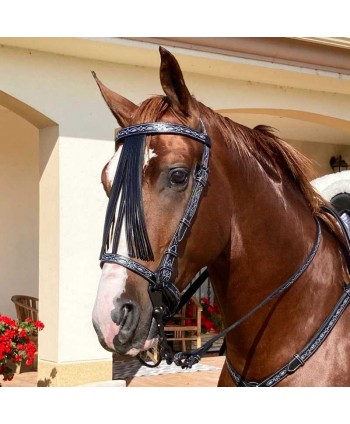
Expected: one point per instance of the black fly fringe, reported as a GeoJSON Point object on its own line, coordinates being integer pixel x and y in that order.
{"type": "Point", "coordinates": [127, 190]}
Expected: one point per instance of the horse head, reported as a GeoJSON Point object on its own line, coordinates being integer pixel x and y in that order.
{"type": "Point", "coordinates": [172, 211]}
{"type": "Point", "coordinates": [156, 181]}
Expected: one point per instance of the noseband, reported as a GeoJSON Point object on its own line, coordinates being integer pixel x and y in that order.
{"type": "Point", "coordinates": [164, 294]}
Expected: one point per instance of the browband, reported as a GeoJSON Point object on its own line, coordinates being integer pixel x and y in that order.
{"type": "Point", "coordinates": [164, 128]}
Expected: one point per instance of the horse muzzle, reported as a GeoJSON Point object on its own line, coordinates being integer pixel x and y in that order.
{"type": "Point", "coordinates": [126, 331]}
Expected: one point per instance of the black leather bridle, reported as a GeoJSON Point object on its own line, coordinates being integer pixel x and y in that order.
{"type": "Point", "coordinates": [166, 298]}
{"type": "Point", "coordinates": [164, 294]}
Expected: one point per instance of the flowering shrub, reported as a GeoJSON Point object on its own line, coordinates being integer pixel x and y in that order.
{"type": "Point", "coordinates": [15, 343]}
{"type": "Point", "coordinates": [211, 317]}
{"type": "Point", "coordinates": [190, 316]}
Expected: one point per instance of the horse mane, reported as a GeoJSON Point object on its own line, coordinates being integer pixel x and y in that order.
{"type": "Point", "coordinates": [260, 142]}
{"type": "Point", "coordinates": [272, 152]}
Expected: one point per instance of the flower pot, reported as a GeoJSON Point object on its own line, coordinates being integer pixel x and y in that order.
{"type": "Point", "coordinates": [15, 367]}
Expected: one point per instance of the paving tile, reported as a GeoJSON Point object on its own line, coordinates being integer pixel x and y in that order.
{"type": "Point", "coordinates": [195, 379]}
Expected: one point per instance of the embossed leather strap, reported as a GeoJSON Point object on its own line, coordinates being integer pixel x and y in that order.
{"type": "Point", "coordinates": [152, 128]}
{"type": "Point", "coordinates": [302, 356]}
{"type": "Point", "coordinates": [165, 269]}
{"type": "Point", "coordinates": [130, 264]}
{"type": "Point", "coordinates": [170, 291]}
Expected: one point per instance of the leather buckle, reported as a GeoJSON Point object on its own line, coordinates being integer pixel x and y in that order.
{"type": "Point", "coordinates": [294, 364]}
{"type": "Point", "coordinates": [252, 384]}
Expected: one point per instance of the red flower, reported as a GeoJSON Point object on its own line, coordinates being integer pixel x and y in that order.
{"type": "Point", "coordinates": [207, 324]}
{"type": "Point", "coordinates": [17, 358]}
{"type": "Point", "coordinates": [6, 320]}
{"type": "Point", "coordinates": [210, 309]}
{"type": "Point", "coordinates": [211, 317]}
{"type": "Point", "coordinates": [10, 333]}
{"type": "Point", "coordinates": [39, 325]}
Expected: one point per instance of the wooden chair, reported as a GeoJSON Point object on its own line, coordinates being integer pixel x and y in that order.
{"type": "Point", "coordinates": [27, 307]}
{"type": "Point", "coordinates": [186, 325]}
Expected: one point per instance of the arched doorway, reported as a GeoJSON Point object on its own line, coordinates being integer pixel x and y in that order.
{"type": "Point", "coordinates": [19, 211]}
{"type": "Point", "coordinates": [20, 169]}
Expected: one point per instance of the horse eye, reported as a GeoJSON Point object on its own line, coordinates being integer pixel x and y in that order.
{"type": "Point", "coordinates": [178, 177]}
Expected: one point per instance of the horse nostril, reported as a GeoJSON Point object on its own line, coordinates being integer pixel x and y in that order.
{"type": "Point", "coordinates": [126, 315]}
{"type": "Point", "coordinates": [126, 309]}
{"type": "Point", "coordinates": [121, 311]}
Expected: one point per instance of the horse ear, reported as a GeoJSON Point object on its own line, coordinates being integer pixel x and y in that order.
{"type": "Point", "coordinates": [174, 87]}
{"type": "Point", "coordinates": [122, 108]}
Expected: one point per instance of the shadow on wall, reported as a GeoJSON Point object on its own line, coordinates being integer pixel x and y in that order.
{"type": "Point", "coordinates": [47, 382]}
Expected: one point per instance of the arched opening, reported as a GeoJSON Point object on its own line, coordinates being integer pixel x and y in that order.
{"type": "Point", "coordinates": [19, 212]}
{"type": "Point", "coordinates": [319, 137]}
{"type": "Point", "coordinates": [21, 165]}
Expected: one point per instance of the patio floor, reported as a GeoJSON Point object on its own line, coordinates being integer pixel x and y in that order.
{"type": "Point", "coordinates": [193, 379]}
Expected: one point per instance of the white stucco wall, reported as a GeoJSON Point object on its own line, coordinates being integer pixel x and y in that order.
{"type": "Point", "coordinates": [82, 210]}
{"type": "Point", "coordinates": [62, 88]}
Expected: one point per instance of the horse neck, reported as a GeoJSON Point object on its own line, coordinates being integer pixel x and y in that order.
{"type": "Point", "coordinates": [272, 232]}
{"type": "Point", "coordinates": [272, 228]}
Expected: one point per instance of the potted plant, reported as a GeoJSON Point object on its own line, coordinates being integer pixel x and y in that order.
{"type": "Point", "coordinates": [16, 344]}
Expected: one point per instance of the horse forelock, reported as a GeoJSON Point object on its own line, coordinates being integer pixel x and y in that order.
{"type": "Point", "coordinates": [151, 110]}
{"type": "Point", "coordinates": [154, 108]}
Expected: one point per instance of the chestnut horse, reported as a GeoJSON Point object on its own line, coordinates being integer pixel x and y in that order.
{"type": "Point", "coordinates": [258, 222]}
